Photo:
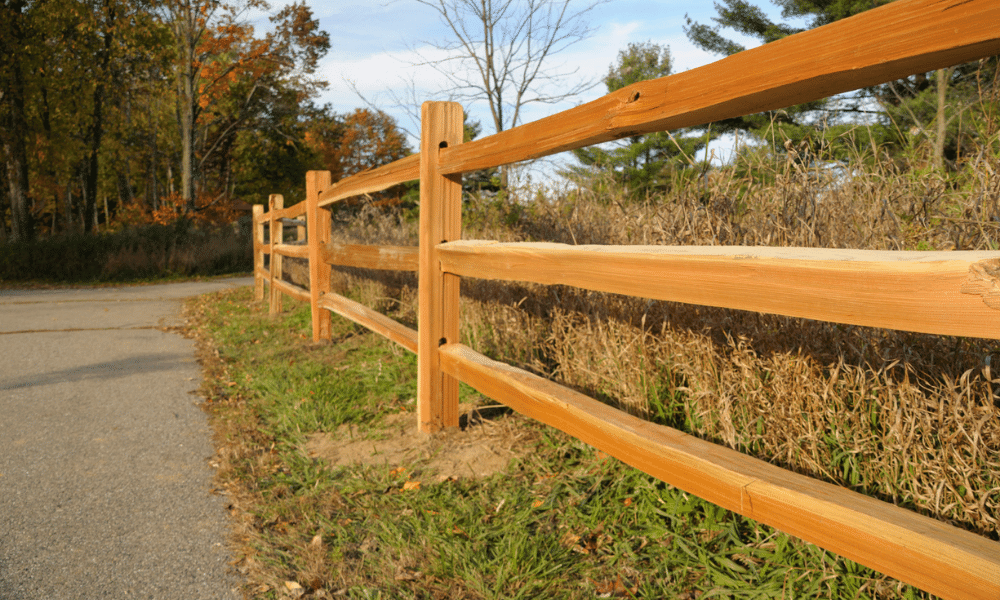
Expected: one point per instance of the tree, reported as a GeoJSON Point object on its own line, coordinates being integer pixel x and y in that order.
{"type": "Point", "coordinates": [15, 45]}
{"type": "Point", "coordinates": [93, 97]}
{"type": "Point", "coordinates": [919, 103]}
{"type": "Point", "coordinates": [795, 122]}
{"type": "Point", "coordinates": [502, 52]}
{"type": "Point", "coordinates": [639, 162]}
{"type": "Point", "coordinates": [358, 141]}
{"type": "Point", "coordinates": [221, 71]}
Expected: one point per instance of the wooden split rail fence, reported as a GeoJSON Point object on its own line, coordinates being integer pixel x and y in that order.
{"type": "Point", "coordinates": [946, 293]}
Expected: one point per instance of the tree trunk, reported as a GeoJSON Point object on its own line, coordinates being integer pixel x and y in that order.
{"type": "Point", "coordinates": [15, 125]}
{"type": "Point", "coordinates": [69, 206]}
{"type": "Point", "coordinates": [4, 203]}
{"type": "Point", "coordinates": [187, 84]}
{"type": "Point", "coordinates": [93, 164]}
{"type": "Point", "coordinates": [97, 123]}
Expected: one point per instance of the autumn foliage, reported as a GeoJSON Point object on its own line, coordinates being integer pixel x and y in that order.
{"type": "Point", "coordinates": [361, 140]}
{"type": "Point", "coordinates": [110, 111]}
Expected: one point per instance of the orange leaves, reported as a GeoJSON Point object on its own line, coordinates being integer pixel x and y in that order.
{"type": "Point", "coordinates": [359, 141]}
{"type": "Point", "coordinates": [171, 208]}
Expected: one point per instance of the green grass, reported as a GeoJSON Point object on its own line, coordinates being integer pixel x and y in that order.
{"type": "Point", "coordinates": [563, 521]}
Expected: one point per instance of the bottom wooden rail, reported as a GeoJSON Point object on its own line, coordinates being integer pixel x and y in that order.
{"type": "Point", "coordinates": [299, 293]}
{"type": "Point", "coordinates": [376, 321]}
{"type": "Point", "coordinates": [934, 556]}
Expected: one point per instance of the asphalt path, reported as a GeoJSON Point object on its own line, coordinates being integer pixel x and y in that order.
{"type": "Point", "coordinates": [105, 486]}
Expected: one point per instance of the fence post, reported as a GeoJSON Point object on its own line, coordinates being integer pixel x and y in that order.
{"type": "Point", "coordinates": [440, 221]}
{"type": "Point", "coordinates": [276, 202]}
{"type": "Point", "coordinates": [318, 222]}
{"type": "Point", "coordinates": [258, 251]}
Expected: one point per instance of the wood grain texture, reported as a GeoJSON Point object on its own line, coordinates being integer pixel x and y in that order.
{"type": "Point", "coordinates": [879, 45]}
{"type": "Point", "coordinates": [437, 292]}
{"type": "Point", "coordinates": [318, 223]}
{"type": "Point", "coordinates": [284, 287]}
{"type": "Point", "coordinates": [258, 253]}
{"type": "Point", "coordinates": [375, 180]}
{"type": "Point", "coordinates": [385, 258]}
{"type": "Point", "coordinates": [295, 251]}
{"type": "Point", "coordinates": [276, 202]}
{"type": "Point", "coordinates": [929, 554]}
{"type": "Point", "coordinates": [292, 212]}
{"type": "Point", "coordinates": [927, 292]}
{"type": "Point", "coordinates": [376, 321]}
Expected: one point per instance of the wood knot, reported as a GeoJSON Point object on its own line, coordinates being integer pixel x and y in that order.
{"type": "Point", "coordinates": [984, 280]}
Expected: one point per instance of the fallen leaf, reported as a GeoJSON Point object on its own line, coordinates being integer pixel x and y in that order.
{"type": "Point", "coordinates": [397, 471]}
{"type": "Point", "coordinates": [537, 503]}
{"type": "Point", "coordinates": [411, 485]}
{"type": "Point", "coordinates": [317, 540]}
{"type": "Point", "coordinates": [406, 575]}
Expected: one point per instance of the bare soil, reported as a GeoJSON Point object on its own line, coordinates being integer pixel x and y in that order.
{"type": "Point", "coordinates": [485, 443]}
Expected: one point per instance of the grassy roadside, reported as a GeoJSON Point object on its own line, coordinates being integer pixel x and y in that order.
{"type": "Point", "coordinates": [561, 521]}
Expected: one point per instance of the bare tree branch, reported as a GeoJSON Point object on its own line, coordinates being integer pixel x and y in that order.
{"type": "Point", "coordinates": [501, 52]}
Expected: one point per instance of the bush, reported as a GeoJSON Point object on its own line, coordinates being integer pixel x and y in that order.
{"type": "Point", "coordinates": [147, 252]}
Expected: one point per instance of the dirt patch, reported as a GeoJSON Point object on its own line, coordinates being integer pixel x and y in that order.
{"type": "Point", "coordinates": [485, 443]}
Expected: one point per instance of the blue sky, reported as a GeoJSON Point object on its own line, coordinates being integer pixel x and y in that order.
{"type": "Point", "coordinates": [373, 44]}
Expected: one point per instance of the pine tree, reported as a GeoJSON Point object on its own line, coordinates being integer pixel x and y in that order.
{"type": "Point", "coordinates": [643, 162]}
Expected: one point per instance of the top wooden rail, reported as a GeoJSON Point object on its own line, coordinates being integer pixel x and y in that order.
{"type": "Point", "coordinates": [375, 180]}
{"type": "Point", "coordinates": [291, 212]}
{"type": "Point", "coordinates": [840, 57]}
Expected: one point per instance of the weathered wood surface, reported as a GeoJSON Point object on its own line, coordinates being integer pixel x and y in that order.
{"type": "Point", "coordinates": [880, 45]}
{"type": "Point", "coordinates": [258, 252]}
{"type": "Point", "coordinates": [386, 258]}
{"type": "Point", "coordinates": [946, 293]}
{"type": "Point", "coordinates": [375, 180]}
{"type": "Point", "coordinates": [276, 203]}
{"type": "Point", "coordinates": [366, 317]}
{"type": "Point", "coordinates": [292, 212]}
{"type": "Point", "coordinates": [437, 292]}
{"type": "Point", "coordinates": [264, 275]}
{"type": "Point", "coordinates": [294, 250]}
{"type": "Point", "coordinates": [936, 557]}
{"type": "Point", "coordinates": [299, 293]}
{"type": "Point", "coordinates": [318, 220]}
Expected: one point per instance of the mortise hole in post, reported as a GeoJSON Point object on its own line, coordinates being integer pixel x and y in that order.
{"type": "Point", "coordinates": [443, 145]}
{"type": "Point", "coordinates": [442, 342]}
{"type": "Point", "coordinates": [635, 97]}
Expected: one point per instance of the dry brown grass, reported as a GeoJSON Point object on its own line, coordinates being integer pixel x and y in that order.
{"type": "Point", "coordinates": [910, 418]}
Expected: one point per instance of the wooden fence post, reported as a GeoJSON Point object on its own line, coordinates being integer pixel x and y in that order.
{"type": "Point", "coordinates": [276, 202]}
{"type": "Point", "coordinates": [318, 222]}
{"type": "Point", "coordinates": [258, 251]}
{"type": "Point", "coordinates": [440, 221]}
